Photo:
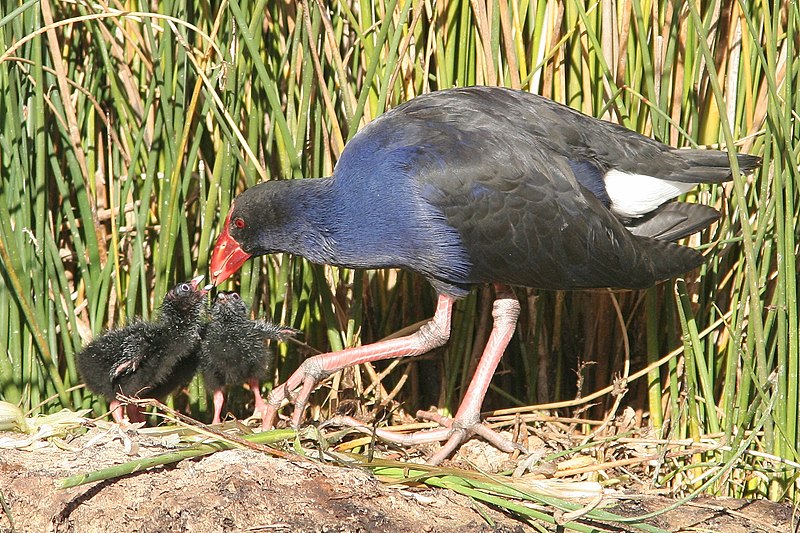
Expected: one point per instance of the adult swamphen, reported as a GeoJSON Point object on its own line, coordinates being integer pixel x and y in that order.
{"type": "Point", "coordinates": [473, 186]}
{"type": "Point", "coordinates": [234, 349]}
{"type": "Point", "coordinates": [150, 359]}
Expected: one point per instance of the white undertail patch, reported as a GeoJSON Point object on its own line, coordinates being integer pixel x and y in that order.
{"type": "Point", "coordinates": [634, 195]}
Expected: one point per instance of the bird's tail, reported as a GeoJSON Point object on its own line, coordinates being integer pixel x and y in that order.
{"type": "Point", "coordinates": [673, 221]}
{"type": "Point", "coordinates": [275, 331]}
{"type": "Point", "coordinates": [712, 166]}
{"type": "Point", "coordinates": [667, 260]}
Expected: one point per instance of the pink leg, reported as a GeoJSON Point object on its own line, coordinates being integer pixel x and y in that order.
{"type": "Point", "coordinates": [433, 334]}
{"type": "Point", "coordinates": [255, 386]}
{"type": "Point", "coordinates": [467, 420]}
{"type": "Point", "coordinates": [117, 412]}
{"type": "Point", "coordinates": [125, 414]}
{"type": "Point", "coordinates": [468, 417]}
{"type": "Point", "coordinates": [219, 399]}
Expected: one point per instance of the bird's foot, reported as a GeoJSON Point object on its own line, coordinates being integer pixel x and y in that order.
{"type": "Point", "coordinates": [306, 378]}
{"type": "Point", "coordinates": [460, 430]}
{"type": "Point", "coordinates": [454, 432]}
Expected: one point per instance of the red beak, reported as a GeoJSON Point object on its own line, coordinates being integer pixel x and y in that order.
{"type": "Point", "coordinates": [227, 256]}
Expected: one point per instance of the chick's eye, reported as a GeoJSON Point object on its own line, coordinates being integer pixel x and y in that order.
{"type": "Point", "coordinates": [183, 288]}
{"type": "Point", "coordinates": [239, 222]}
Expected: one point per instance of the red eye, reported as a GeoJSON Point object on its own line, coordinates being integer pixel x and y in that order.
{"type": "Point", "coordinates": [239, 222]}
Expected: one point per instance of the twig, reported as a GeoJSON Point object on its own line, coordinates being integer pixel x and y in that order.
{"type": "Point", "coordinates": [7, 511]}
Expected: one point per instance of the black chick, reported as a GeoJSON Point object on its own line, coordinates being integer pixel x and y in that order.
{"type": "Point", "coordinates": [149, 359]}
{"type": "Point", "coordinates": [234, 349]}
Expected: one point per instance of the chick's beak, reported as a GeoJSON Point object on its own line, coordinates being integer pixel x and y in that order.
{"type": "Point", "coordinates": [227, 256]}
{"type": "Point", "coordinates": [195, 282]}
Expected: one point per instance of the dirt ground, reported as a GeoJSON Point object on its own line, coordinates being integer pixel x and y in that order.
{"type": "Point", "coordinates": [245, 490]}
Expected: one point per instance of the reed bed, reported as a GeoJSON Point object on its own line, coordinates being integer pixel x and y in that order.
{"type": "Point", "coordinates": [126, 132]}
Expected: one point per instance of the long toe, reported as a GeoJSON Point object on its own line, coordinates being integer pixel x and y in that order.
{"type": "Point", "coordinates": [283, 392]}
{"type": "Point", "coordinates": [269, 417]}
{"type": "Point", "coordinates": [453, 433]}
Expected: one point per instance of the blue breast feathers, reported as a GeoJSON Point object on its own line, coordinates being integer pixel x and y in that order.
{"type": "Point", "coordinates": [386, 215]}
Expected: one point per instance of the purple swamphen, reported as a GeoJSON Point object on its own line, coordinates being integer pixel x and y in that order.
{"type": "Point", "coordinates": [479, 185]}
{"type": "Point", "coordinates": [234, 349]}
{"type": "Point", "coordinates": [149, 359]}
